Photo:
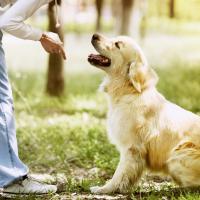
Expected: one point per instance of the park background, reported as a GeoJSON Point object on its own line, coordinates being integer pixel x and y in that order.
{"type": "Point", "coordinates": [61, 125]}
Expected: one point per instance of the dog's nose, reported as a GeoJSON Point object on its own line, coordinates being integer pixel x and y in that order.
{"type": "Point", "coordinates": [95, 37]}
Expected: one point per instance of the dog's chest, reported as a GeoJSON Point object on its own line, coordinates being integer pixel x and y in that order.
{"type": "Point", "coordinates": [121, 124]}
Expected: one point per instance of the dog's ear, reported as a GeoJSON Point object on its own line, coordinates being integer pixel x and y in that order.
{"type": "Point", "coordinates": [141, 76]}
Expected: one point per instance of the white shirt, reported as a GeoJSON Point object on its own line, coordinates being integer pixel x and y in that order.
{"type": "Point", "coordinates": [12, 20]}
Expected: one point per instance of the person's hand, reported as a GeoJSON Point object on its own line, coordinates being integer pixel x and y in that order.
{"type": "Point", "coordinates": [52, 44]}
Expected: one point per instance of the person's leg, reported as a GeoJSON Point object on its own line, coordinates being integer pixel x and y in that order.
{"type": "Point", "coordinates": [11, 168]}
{"type": "Point", "coordinates": [13, 173]}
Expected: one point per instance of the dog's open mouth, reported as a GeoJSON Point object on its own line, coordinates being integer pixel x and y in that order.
{"type": "Point", "coordinates": [99, 60]}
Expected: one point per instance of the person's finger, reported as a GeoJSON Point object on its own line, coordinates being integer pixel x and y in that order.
{"type": "Point", "coordinates": [55, 43]}
{"type": "Point", "coordinates": [53, 51]}
{"type": "Point", "coordinates": [62, 53]}
{"type": "Point", "coordinates": [49, 50]}
{"type": "Point", "coordinates": [56, 50]}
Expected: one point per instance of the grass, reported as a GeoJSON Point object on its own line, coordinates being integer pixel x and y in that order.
{"type": "Point", "coordinates": [67, 135]}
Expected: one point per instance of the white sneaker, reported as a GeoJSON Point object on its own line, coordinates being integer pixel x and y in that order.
{"type": "Point", "coordinates": [43, 178]}
{"type": "Point", "coordinates": [30, 186]}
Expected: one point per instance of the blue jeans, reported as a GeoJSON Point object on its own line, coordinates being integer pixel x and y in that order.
{"type": "Point", "coordinates": [11, 167]}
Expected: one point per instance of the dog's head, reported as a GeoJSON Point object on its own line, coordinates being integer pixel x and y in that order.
{"type": "Point", "coordinates": [123, 58]}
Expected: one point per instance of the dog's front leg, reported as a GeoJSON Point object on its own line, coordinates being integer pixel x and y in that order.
{"type": "Point", "coordinates": [129, 170]}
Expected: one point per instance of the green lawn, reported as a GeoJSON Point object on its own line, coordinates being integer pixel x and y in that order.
{"type": "Point", "coordinates": [68, 135]}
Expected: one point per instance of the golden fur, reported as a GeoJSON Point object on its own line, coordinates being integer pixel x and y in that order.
{"type": "Point", "coordinates": [149, 131]}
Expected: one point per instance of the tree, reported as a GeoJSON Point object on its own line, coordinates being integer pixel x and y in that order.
{"type": "Point", "coordinates": [55, 75]}
{"type": "Point", "coordinates": [127, 6]}
{"type": "Point", "coordinates": [171, 8]}
{"type": "Point", "coordinates": [122, 10]}
{"type": "Point", "coordinates": [143, 21]}
{"type": "Point", "coordinates": [99, 8]}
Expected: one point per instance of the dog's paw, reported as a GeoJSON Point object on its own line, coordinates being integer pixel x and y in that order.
{"type": "Point", "coordinates": [100, 190]}
{"type": "Point", "coordinates": [96, 190]}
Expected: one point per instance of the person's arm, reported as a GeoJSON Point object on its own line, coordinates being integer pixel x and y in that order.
{"type": "Point", "coordinates": [12, 22]}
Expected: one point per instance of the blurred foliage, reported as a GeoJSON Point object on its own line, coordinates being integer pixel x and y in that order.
{"type": "Point", "coordinates": [184, 10]}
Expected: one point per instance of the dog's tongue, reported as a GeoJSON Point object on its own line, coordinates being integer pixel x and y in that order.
{"type": "Point", "coordinates": [99, 60]}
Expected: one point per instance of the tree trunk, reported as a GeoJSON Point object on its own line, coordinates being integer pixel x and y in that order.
{"type": "Point", "coordinates": [99, 8]}
{"type": "Point", "coordinates": [127, 6]}
{"type": "Point", "coordinates": [171, 8]}
{"type": "Point", "coordinates": [55, 78]}
{"type": "Point", "coordinates": [143, 23]}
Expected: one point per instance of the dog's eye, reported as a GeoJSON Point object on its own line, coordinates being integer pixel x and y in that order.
{"type": "Point", "coordinates": [117, 44]}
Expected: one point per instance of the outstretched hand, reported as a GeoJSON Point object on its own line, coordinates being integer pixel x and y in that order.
{"type": "Point", "coordinates": [52, 44]}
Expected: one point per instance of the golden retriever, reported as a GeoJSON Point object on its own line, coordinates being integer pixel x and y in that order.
{"type": "Point", "coordinates": [149, 131]}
